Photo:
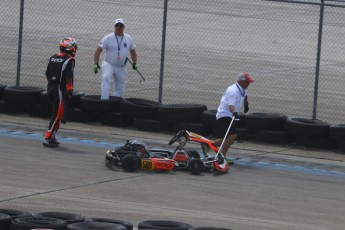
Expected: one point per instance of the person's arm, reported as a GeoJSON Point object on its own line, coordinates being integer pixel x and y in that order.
{"type": "Point", "coordinates": [97, 54]}
{"type": "Point", "coordinates": [133, 56]}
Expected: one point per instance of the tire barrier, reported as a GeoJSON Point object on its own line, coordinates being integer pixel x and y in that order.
{"type": "Point", "coordinates": [174, 113]}
{"type": "Point", "coordinates": [13, 213]}
{"type": "Point", "coordinates": [310, 132]}
{"type": "Point", "coordinates": [94, 104]}
{"type": "Point", "coordinates": [28, 223]}
{"type": "Point", "coordinates": [70, 218]}
{"type": "Point", "coordinates": [2, 87]}
{"type": "Point", "coordinates": [140, 108]}
{"type": "Point", "coordinates": [164, 225]}
{"type": "Point", "coordinates": [337, 132]}
{"type": "Point", "coordinates": [152, 116]}
{"type": "Point", "coordinates": [22, 95]}
{"type": "Point", "coordinates": [210, 228]}
{"type": "Point", "coordinates": [127, 224]}
{"type": "Point", "coordinates": [95, 226]}
{"type": "Point", "coordinates": [5, 221]}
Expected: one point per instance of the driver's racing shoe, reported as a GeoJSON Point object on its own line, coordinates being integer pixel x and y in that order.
{"type": "Point", "coordinates": [50, 142]}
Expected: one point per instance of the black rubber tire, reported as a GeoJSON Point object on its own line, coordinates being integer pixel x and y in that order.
{"type": "Point", "coordinates": [115, 119]}
{"type": "Point", "coordinates": [38, 111]}
{"type": "Point", "coordinates": [243, 134]}
{"type": "Point", "coordinates": [130, 163]}
{"type": "Point", "coordinates": [164, 225]}
{"type": "Point", "coordinates": [9, 108]}
{"type": "Point", "coordinates": [15, 213]}
{"type": "Point", "coordinates": [79, 115]}
{"type": "Point", "coordinates": [208, 118]}
{"type": "Point", "coordinates": [22, 95]}
{"type": "Point", "coordinates": [198, 128]}
{"type": "Point", "coordinates": [152, 125]}
{"type": "Point", "coordinates": [341, 145]}
{"type": "Point", "coordinates": [70, 218]}
{"type": "Point", "coordinates": [337, 132]}
{"type": "Point", "coordinates": [28, 223]}
{"type": "Point", "coordinates": [196, 166]}
{"type": "Point", "coordinates": [273, 137]}
{"type": "Point", "coordinates": [265, 121]}
{"type": "Point", "coordinates": [5, 221]}
{"type": "Point", "coordinates": [94, 104]}
{"type": "Point", "coordinates": [2, 87]}
{"type": "Point", "coordinates": [307, 127]}
{"type": "Point", "coordinates": [193, 154]}
{"type": "Point", "coordinates": [140, 108]}
{"type": "Point", "coordinates": [181, 112]}
{"type": "Point", "coordinates": [91, 225]}
{"type": "Point", "coordinates": [127, 224]}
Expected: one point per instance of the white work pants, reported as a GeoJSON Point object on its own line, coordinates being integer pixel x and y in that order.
{"type": "Point", "coordinates": [113, 73]}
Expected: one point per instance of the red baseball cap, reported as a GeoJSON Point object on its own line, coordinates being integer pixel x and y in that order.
{"type": "Point", "coordinates": [245, 77]}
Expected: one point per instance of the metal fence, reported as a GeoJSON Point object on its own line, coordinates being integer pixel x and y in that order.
{"type": "Point", "coordinates": [206, 44]}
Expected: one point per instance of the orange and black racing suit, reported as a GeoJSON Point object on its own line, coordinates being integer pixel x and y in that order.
{"type": "Point", "coordinates": [60, 73]}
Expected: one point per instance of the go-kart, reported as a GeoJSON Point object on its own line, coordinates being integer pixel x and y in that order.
{"type": "Point", "coordinates": [135, 155]}
{"type": "Point", "coordinates": [194, 161]}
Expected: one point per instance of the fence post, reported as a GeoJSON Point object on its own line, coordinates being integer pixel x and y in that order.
{"type": "Point", "coordinates": [163, 51]}
{"type": "Point", "coordinates": [20, 41]}
{"type": "Point", "coordinates": [317, 71]}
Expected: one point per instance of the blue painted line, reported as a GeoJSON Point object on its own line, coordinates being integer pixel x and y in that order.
{"type": "Point", "coordinates": [244, 162]}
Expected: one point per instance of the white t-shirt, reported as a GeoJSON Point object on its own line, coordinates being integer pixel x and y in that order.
{"type": "Point", "coordinates": [234, 95]}
{"type": "Point", "coordinates": [117, 48]}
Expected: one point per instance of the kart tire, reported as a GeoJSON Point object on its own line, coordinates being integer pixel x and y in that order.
{"type": "Point", "coordinates": [5, 221]}
{"type": "Point", "coordinates": [93, 225]}
{"type": "Point", "coordinates": [130, 163]}
{"type": "Point", "coordinates": [22, 95]}
{"type": "Point", "coordinates": [196, 166]}
{"type": "Point", "coordinates": [193, 154]}
{"type": "Point", "coordinates": [94, 104]}
{"type": "Point", "coordinates": [28, 223]}
{"type": "Point", "coordinates": [70, 218]}
{"type": "Point", "coordinates": [128, 225]}
{"type": "Point", "coordinates": [164, 225]}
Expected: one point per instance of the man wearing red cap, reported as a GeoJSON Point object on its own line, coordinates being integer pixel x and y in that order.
{"type": "Point", "coordinates": [230, 104]}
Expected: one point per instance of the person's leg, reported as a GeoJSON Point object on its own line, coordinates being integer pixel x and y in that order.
{"type": "Point", "coordinates": [120, 81]}
{"type": "Point", "coordinates": [58, 111]}
{"type": "Point", "coordinates": [228, 142]}
{"type": "Point", "coordinates": [224, 123]}
{"type": "Point", "coordinates": [107, 74]}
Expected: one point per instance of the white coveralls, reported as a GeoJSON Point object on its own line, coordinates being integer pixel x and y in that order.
{"type": "Point", "coordinates": [113, 66]}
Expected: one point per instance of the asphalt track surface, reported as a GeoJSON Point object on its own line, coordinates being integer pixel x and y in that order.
{"type": "Point", "coordinates": [269, 187]}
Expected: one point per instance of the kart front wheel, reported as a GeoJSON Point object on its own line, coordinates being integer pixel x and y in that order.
{"type": "Point", "coordinates": [196, 166]}
{"type": "Point", "coordinates": [130, 163]}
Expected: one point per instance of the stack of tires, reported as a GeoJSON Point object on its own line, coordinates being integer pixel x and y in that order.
{"type": "Point", "coordinates": [337, 133]}
{"type": "Point", "coordinates": [20, 220]}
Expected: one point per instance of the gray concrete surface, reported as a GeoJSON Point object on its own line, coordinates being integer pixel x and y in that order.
{"type": "Point", "coordinates": [269, 187]}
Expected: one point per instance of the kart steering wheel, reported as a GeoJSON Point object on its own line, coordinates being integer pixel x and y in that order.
{"type": "Point", "coordinates": [176, 137]}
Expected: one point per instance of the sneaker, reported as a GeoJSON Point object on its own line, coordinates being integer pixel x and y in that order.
{"type": "Point", "coordinates": [50, 143]}
{"type": "Point", "coordinates": [55, 141]}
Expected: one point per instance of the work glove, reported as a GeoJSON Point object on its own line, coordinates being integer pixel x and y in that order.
{"type": "Point", "coordinates": [134, 66]}
{"type": "Point", "coordinates": [235, 114]}
{"type": "Point", "coordinates": [246, 107]}
{"type": "Point", "coordinates": [95, 68]}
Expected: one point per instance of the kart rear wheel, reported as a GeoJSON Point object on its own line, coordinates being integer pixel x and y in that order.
{"type": "Point", "coordinates": [196, 166]}
{"type": "Point", "coordinates": [130, 163]}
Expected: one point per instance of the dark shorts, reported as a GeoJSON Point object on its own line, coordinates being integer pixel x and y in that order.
{"type": "Point", "coordinates": [223, 123]}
